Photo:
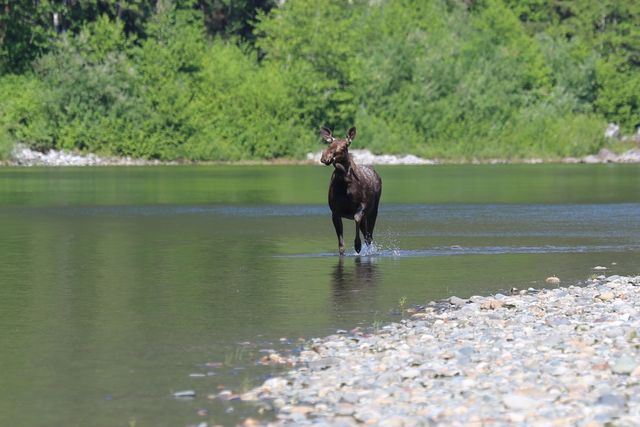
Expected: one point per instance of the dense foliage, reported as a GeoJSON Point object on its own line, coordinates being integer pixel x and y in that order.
{"type": "Point", "coordinates": [247, 79]}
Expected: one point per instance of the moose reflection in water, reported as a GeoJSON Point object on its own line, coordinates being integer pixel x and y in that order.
{"type": "Point", "coordinates": [354, 191]}
{"type": "Point", "coordinates": [348, 281]}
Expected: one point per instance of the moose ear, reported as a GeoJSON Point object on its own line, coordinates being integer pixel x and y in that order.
{"type": "Point", "coordinates": [351, 134]}
{"type": "Point", "coordinates": [325, 133]}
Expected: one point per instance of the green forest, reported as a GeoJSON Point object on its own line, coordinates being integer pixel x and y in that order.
{"type": "Point", "coordinates": [228, 80]}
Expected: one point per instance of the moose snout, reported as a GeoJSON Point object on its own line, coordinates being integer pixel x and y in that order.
{"type": "Point", "coordinates": [327, 160]}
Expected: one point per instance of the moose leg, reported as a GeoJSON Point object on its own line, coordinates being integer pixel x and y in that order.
{"type": "Point", "coordinates": [357, 243]}
{"type": "Point", "coordinates": [337, 224]}
{"type": "Point", "coordinates": [371, 222]}
{"type": "Point", "coordinates": [364, 230]}
{"type": "Point", "coordinates": [358, 217]}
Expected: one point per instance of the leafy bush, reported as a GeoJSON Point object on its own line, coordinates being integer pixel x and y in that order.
{"type": "Point", "coordinates": [23, 118]}
{"type": "Point", "coordinates": [90, 89]}
{"type": "Point", "coordinates": [242, 110]}
{"type": "Point", "coordinates": [450, 79]}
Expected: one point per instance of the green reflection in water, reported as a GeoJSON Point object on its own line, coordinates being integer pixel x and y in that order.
{"type": "Point", "coordinates": [308, 184]}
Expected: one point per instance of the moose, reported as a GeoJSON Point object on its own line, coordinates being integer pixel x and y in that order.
{"type": "Point", "coordinates": [354, 190]}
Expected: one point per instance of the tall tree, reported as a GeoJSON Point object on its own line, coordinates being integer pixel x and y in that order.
{"type": "Point", "coordinates": [25, 31]}
{"type": "Point", "coordinates": [233, 17]}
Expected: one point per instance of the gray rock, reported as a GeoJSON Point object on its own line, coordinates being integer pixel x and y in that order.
{"type": "Point", "coordinates": [610, 399]}
{"type": "Point", "coordinates": [345, 409]}
{"type": "Point", "coordinates": [458, 302]}
{"type": "Point", "coordinates": [466, 351]}
{"type": "Point", "coordinates": [324, 363]}
{"type": "Point", "coordinates": [607, 155]}
{"type": "Point", "coordinates": [624, 365]}
{"type": "Point", "coordinates": [630, 156]}
{"type": "Point", "coordinates": [367, 415]}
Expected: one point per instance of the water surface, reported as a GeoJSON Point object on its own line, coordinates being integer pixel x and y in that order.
{"type": "Point", "coordinates": [120, 286]}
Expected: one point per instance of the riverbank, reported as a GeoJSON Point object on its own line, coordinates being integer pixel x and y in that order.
{"type": "Point", "coordinates": [24, 156]}
{"type": "Point", "coordinates": [563, 356]}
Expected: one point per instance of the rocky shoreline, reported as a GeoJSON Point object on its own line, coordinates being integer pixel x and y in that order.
{"type": "Point", "coordinates": [562, 356]}
{"type": "Point", "coordinates": [24, 156]}
{"type": "Point", "coordinates": [368, 158]}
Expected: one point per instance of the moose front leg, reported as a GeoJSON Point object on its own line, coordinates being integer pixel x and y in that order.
{"type": "Point", "coordinates": [357, 244]}
{"type": "Point", "coordinates": [337, 224]}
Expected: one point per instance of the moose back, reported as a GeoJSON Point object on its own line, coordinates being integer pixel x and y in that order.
{"type": "Point", "coordinates": [354, 191]}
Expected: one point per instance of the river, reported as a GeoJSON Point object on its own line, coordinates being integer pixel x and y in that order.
{"type": "Point", "coordinates": [121, 286]}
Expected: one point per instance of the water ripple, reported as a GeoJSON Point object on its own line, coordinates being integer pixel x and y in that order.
{"type": "Point", "coordinates": [471, 250]}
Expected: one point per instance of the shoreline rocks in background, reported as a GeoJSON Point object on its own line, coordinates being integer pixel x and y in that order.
{"type": "Point", "coordinates": [366, 157]}
{"type": "Point", "coordinates": [607, 156]}
{"type": "Point", "coordinates": [561, 356]}
{"type": "Point", "coordinates": [613, 132]}
{"type": "Point", "coordinates": [25, 156]}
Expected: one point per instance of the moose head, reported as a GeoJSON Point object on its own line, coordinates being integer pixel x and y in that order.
{"type": "Point", "coordinates": [338, 150]}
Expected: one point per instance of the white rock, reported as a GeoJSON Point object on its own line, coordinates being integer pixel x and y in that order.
{"type": "Point", "coordinates": [184, 394]}
{"type": "Point", "coordinates": [612, 131]}
{"type": "Point", "coordinates": [630, 156]}
{"type": "Point", "coordinates": [274, 385]}
{"type": "Point", "coordinates": [410, 373]}
{"type": "Point", "coordinates": [552, 280]}
{"type": "Point", "coordinates": [519, 402]}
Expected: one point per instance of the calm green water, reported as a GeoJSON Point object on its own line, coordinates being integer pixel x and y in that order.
{"type": "Point", "coordinates": [120, 286]}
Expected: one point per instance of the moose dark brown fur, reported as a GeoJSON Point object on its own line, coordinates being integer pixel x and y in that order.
{"type": "Point", "coordinates": [354, 191]}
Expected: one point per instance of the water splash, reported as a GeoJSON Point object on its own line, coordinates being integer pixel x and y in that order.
{"type": "Point", "coordinates": [370, 250]}
{"type": "Point", "coordinates": [386, 245]}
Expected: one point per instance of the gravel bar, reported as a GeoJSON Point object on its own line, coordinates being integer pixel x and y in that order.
{"type": "Point", "coordinates": [554, 357]}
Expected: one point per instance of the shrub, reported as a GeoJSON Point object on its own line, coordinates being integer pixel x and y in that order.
{"type": "Point", "coordinates": [23, 118]}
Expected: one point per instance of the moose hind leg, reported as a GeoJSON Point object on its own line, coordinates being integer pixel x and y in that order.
{"type": "Point", "coordinates": [337, 224]}
{"type": "Point", "coordinates": [359, 218]}
{"type": "Point", "coordinates": [364, 229]}
{"type": "Point", "coordinates": [371, 221]}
